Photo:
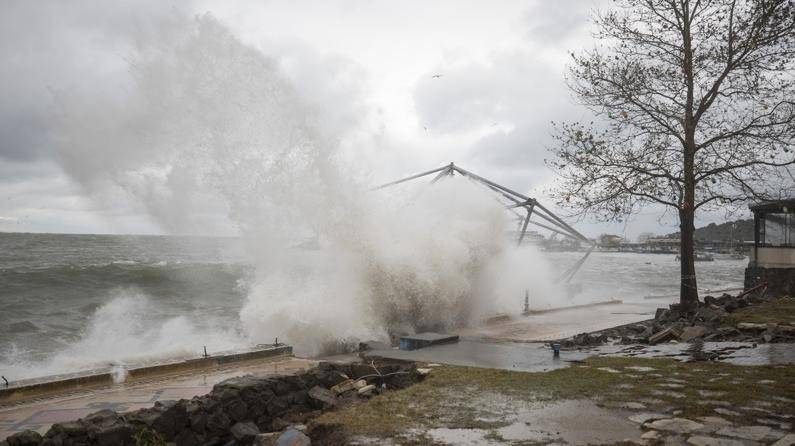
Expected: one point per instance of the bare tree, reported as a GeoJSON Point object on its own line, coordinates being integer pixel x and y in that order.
{"type": "Point", "coordinates": [694, 105]}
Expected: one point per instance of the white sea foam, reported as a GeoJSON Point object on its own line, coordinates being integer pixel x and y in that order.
{"type": "Point", "coordinates": [128, 330]}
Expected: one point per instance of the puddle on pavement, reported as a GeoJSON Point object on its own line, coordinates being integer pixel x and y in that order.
{"type": "Point", "coordinates": [556, 421]}
{"type": "Point", "coordinates": [545, 423]}
{"type": "Point", "coordinates": [463, 437]}
{"type": "Point", "coordinates": [525, 357]}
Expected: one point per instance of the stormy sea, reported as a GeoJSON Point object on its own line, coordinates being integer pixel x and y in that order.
{"type": "Point", "coordinates": [75, 302]}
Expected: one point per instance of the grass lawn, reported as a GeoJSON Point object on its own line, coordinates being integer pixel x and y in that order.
{"type": "Point", "coordinates": [779, 311]}
{"type": "Point", "coordinates": [450, 396]}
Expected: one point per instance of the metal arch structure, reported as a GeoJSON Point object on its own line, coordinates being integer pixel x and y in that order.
{"type": "Point", "coordinates": [513, 202]}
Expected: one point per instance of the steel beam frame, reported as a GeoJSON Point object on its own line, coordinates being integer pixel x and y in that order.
{"type": "Point", "coordinates": [516, 200]}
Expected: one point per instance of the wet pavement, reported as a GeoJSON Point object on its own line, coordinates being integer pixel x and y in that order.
{"type": "Point", "coordinates": [537, 357]}
{"type": "Point", "coordinates": [525, 357]}
{"type": "Point", "coordinates": [562, 324]}
{"type": "Point", "coordinates": [40, 414]}
{"type": "Point", "coordinates": [738, 353]}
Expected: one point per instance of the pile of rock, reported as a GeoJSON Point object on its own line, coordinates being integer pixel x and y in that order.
{"type": "Point", "coordinates": [246, 410]}
{"type": "Point", "coordinates": [708, 323]}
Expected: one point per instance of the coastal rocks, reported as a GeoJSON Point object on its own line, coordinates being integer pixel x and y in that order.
{"type": "Point", "coordinates": [709, 322]}
{"type": "Point", "coordinates": [325, 397]}
{"type": "Point", "coordinates": [24, 438]}
{"type": "Point", "coordinates": [584, 340]}
{"type": "Point", "coordinates": [236, 411]}
{"type": "Point", "coordinates": [244, 432]}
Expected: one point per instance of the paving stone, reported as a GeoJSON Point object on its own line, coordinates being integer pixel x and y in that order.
{"type": "Point", "coordinates": [755, 433]}
{"type": "Point", "coordinates": [727, 412]}
{"type": "Point", "coordinates": [677, 425]}
{"type": "Point", "coordinates": [711, 393]}
{"type": "Point", "coordinates": [757, 409]}
{"type": "Point", "coordinates": [651, 435]}
{"type": "Point", "coordinates": [700, 440]}
{"type": "Point", "coordinates": [716, 420]}
{"type": "Point", "coordinates": [771, 422]}
{"type": "Point", "coordinates": [641, 418]}
{"type": "Point", "coordinates": [787, 440]}
{"type": "Point", "coordinates": [632, 405]}
{"type": "Point", "coordinates": [668, 393]}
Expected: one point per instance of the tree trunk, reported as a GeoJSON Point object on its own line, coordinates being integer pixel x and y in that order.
{"type": "Point", "coordinates": [688, 294]}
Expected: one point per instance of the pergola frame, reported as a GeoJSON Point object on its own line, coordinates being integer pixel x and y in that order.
{"type": "Point", "coordinates": [512, 201]}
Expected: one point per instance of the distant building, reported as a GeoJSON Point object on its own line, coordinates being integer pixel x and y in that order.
{"type": "Point", "coordinates": [610, 241]}
{"type": "Point", "coordinates": [773, 253]}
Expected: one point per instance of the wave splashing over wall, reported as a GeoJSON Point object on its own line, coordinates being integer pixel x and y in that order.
{"type": "Point", "coordinates": [207, 132]}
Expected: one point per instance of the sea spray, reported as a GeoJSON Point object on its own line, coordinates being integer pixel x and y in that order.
{"type": "Point", "coordinates": [128, 329]}
{"type": "Point", "coordinates": [207, 130]}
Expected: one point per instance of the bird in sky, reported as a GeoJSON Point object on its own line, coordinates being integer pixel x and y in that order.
{"type": "Point", "coordinates": [437, 76]}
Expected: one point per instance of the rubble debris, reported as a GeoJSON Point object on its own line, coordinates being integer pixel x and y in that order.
{"type": "Point", "coordinates": [344, 386]}
{"type": "Point", "coordinates": [689, 333]}
{"type": "Point", "coordinates": [367, 390]}
{"type": "Point", "coordinates": [244, 410]}
{"type": "Point", "coordinates": [664, 335]}
{"type": "Point", "coordinates": [710, 322]}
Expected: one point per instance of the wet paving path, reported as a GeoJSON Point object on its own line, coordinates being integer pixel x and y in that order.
{"type": "Point", "coordinates": [738, 353]}
{"type": "Point", "coordinates": [40, 415]}
{"type": "Point", "coordinates": [537, 356]}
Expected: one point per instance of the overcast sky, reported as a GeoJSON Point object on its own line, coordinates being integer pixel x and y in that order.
{"type": "Point", "coordinates": [369, 67]}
